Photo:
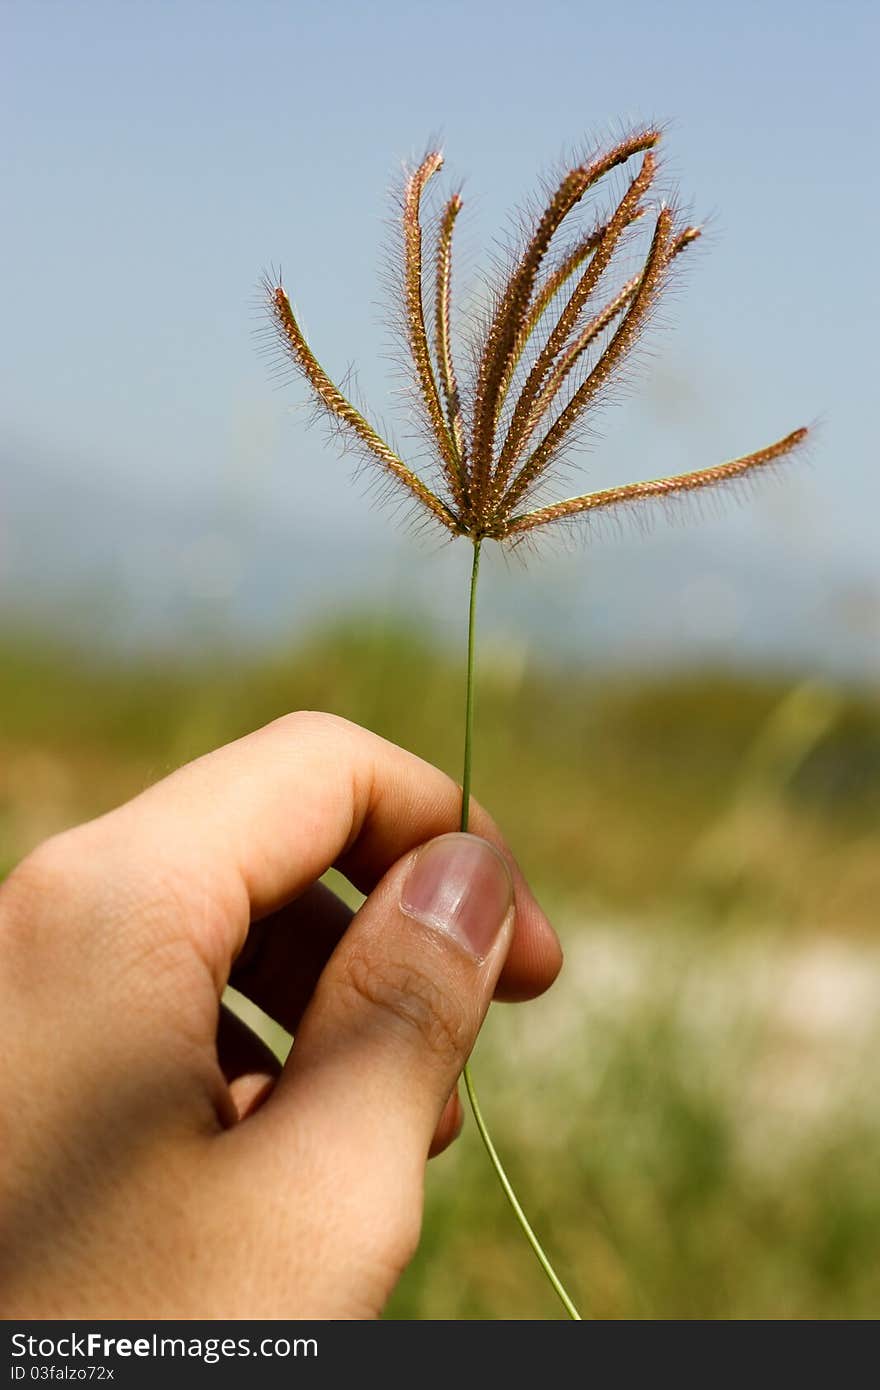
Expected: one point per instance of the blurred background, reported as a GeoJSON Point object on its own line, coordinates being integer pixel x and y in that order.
{"type": "Point", "coordinates": [678, 724]}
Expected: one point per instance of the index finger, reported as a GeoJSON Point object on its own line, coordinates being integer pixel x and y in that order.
{"type": "Point", "coordinates": [250, 826]}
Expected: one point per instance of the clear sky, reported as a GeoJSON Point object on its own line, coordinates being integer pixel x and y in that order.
{"type": "Point", "coordinates": [158, 156]}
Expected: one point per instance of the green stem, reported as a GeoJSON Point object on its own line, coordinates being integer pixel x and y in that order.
{"type": "Point", "coordinates": [469, 705]}
{"type": "Point", "coordinates": [506, 1184]}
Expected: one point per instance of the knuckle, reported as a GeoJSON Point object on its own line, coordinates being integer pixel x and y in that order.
{"type": "Point", "coordinates": [312, 723]}
{"type": "Point", "coordinates": [414, 1004]}
{"type": "Point", "coordinates": [42, 873]}
{"type": "Point", "coordinates": [65, 896]}
{"type": "Point", "coordinates": [37, 897]}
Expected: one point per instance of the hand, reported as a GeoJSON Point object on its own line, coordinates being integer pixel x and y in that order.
{"type": "Point", "coordinates": [152, 1162]}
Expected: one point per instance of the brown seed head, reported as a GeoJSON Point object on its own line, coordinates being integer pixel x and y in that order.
{"type": "Point", "coordinates": [563, 368]}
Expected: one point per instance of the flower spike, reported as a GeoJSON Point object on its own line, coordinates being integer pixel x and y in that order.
{"type": "Point", "coordinates": [329, 396]}
{"type": "Point", "coordinates": [659, 487]}
{"type": "Point", "coordinates": [415, 318]}
{"type": "Point", "coordinates": [442, 316]}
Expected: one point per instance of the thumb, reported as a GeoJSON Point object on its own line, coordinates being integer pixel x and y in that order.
{"type": "Point", "coordinates": [396, 1013]}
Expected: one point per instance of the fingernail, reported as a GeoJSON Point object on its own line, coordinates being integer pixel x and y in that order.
{"type": "Point", "coordinates": [461, 885]}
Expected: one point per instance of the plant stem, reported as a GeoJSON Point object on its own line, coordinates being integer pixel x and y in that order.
{"type": "Point", "coordinates": [469, 703]}
{"type": "Point", "coordinates": [506, 1184]}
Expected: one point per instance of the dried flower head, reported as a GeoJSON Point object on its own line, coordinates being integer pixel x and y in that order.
{"type": "Point", "coordinates": [554, 339]}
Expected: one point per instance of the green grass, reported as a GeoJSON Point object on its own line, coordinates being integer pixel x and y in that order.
{"type": "Point", "coordinates": [690, 1143]}
{"type": "Point", "coordinates": [688, 1114]}
{"type": "Point", "coordinates": [610, 790]}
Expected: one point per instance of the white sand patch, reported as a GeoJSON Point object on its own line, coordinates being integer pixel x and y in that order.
{"type": "Point", "coordinates": [782, 1033]}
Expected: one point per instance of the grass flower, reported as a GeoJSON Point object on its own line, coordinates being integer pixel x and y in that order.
{"type": "Point", "coordinates": [554, 338]}
{"type": "Point", "coordinates": [547, 331]}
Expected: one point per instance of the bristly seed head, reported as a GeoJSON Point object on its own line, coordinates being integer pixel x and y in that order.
{"type": "Point", "coordinates": [489, 463]}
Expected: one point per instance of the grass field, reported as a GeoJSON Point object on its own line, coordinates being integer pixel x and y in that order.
{"type": "Point", "coordinates": [691, 1115]}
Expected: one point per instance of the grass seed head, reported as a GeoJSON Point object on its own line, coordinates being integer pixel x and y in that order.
{"type": "Point", "coordinates": [500, 427]}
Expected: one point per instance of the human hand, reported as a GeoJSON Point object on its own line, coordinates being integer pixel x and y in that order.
{"type": "Point", "coordinates": [152, 1165]}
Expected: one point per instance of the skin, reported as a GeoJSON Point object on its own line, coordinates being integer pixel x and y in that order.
{"type": "Point", "coordinates": [153, 1161]}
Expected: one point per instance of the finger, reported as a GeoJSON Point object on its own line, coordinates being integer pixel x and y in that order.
{"type": "Point", "coordinates": [249, 1092]}
{"type": "Point", "coordinates": [448, 1127]}
{"type": "Point", "coordinates": [393, 1020]}
{"type": "Point", "coordinates": [244, 830]}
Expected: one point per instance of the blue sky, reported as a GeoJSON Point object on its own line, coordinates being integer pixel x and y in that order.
{"type": "Point", "coordinates": [159, 156]}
